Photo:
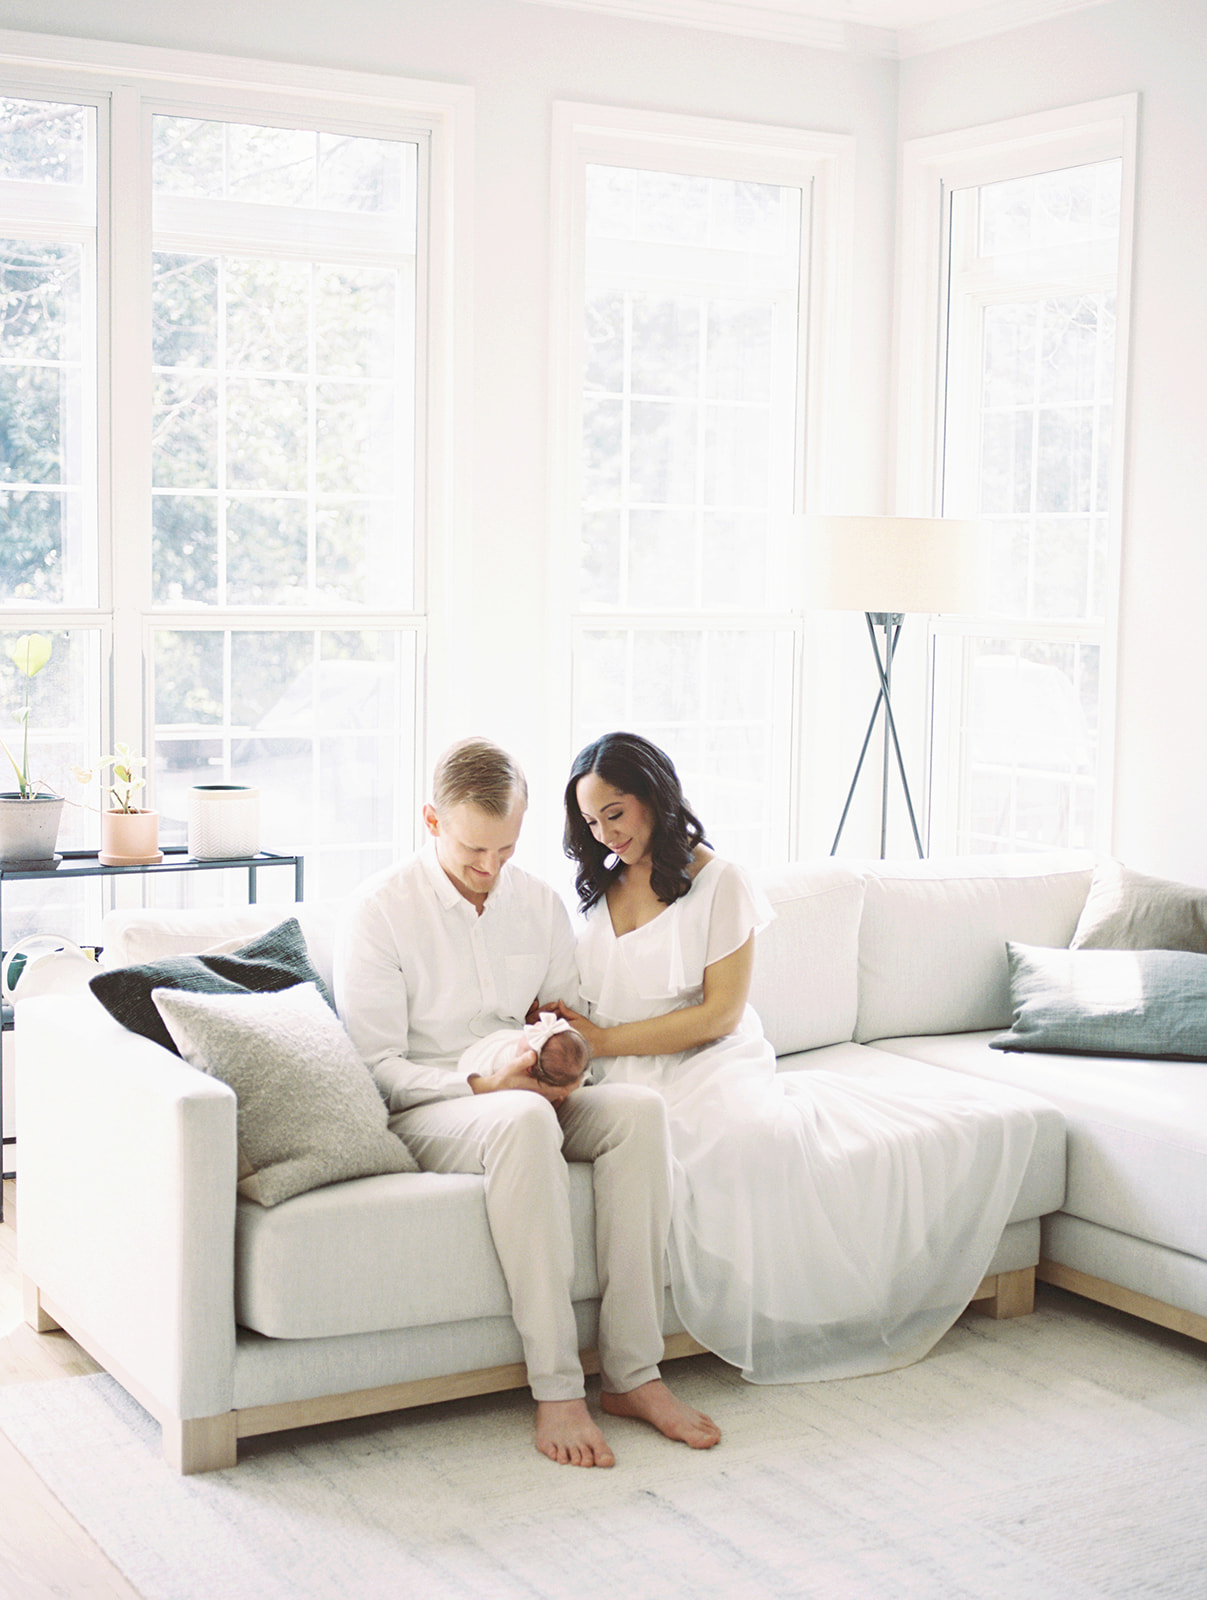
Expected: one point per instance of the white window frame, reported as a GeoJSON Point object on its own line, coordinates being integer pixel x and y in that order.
{"type": "Point", "coordinates": [932, 168]}
{"type": "Point", "coordinates": [822, 166]}
{"type": "Point", "coordinates": [129, 83]}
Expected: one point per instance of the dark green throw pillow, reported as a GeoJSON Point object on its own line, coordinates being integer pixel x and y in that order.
{"type": "Point", "coordinates": [274, 960]}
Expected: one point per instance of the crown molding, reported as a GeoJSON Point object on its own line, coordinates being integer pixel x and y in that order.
{"type": "Point", "coordinates": [795, 23]}
{"type": "Point", "coordinates": [786, 24]}
{"type": "Point", "coordinates": [964, 27]}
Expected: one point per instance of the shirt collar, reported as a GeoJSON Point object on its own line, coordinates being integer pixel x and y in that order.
{"type": "Point", "coordinates": [446, 890]}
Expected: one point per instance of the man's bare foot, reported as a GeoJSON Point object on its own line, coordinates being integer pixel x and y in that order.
{"type": "Point", "coordinates": [654, 1403]}
{"type": "Point", "coordinates": [566, 1433]}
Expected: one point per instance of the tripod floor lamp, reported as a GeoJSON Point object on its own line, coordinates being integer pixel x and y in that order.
{"type": "Point", "coordinates": [888, 567]}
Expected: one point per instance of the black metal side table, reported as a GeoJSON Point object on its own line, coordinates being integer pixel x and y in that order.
{"type": "Point", "coordinates": [85, 864]}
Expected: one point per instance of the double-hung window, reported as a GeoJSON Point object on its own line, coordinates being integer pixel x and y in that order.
{"type": "Point", "coordinates": [284, 569]}
{"type": "Point", "coordinates": [226, 417]}
{"type": "Point", "coordinates": [1027, 267]}
{"type": "Point", "coordinates": [697, 265]}
{"type": "Point", "coordinates": [53, 232]}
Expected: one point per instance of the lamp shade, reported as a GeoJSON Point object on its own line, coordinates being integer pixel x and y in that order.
{"type": "Point", "coordinates": [893, 564]}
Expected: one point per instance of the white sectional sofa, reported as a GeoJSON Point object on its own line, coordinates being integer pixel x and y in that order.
{"type": "Point", "coordinates": [226, 1319]}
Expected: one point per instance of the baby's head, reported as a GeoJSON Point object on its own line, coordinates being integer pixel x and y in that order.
{"type": "Point", "coordinates": [562, 1059]}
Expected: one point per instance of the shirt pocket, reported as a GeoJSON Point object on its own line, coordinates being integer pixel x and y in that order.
{"type": "Point", "coordinates": [525, 974]}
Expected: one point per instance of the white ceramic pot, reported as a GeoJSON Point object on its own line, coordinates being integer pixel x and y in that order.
{"type": "Point", "coordinates": [29, 829]}
{"type": "Point", "coordinates": [129, 838]}
{"type": "Point", "coordinates": [224, 821]}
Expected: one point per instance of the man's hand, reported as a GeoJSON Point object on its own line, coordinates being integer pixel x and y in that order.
{"type": "Point", "coordinates": [518, 1074]}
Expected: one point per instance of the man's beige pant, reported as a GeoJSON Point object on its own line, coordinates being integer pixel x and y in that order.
{"type": "Point", "coordinates": [521, 1143]}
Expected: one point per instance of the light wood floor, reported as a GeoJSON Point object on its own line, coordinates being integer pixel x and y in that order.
{"type": "Point", "coordinates": [44, 1552]}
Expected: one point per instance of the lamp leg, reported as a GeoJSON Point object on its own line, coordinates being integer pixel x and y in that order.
{"type": "Point", "coordinates": [892, 627]}
{"type": "Point", "coordinates": [891, 623]}
{"type": "Point", "coordinates": [867, 739]}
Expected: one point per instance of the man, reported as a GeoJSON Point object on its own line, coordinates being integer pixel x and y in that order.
{"type": "Point", "coordinates": [455, 944]}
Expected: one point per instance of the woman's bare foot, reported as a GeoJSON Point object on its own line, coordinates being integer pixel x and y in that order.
{"type": "Point", "coordinates": [566, 1433]}
{"type": "Point", "coordinates": [654, 1403]}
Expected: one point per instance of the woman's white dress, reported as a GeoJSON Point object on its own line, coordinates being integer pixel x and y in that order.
{"type": "Point", "coordinates": [823, 1227]}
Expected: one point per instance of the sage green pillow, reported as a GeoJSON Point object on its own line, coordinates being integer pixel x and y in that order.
{"type": "Point", "coordinates": [309, 1111]}
{"type": "Point", "coordinates": [1150, 1003]}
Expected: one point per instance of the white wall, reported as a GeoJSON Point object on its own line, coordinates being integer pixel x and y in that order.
{"type": "Point", "coordinates": [1158, 48]}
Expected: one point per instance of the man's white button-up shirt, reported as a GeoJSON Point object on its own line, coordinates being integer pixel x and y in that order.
{"type": "Point", "coordinates": [419, 974]}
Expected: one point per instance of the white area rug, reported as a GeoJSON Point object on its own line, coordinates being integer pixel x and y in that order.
{"type": "Point", "coordinates": [1062, 1455]}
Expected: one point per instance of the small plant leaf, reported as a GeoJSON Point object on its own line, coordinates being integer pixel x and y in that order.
{"type": "Point", "coordinates": [31, 653]}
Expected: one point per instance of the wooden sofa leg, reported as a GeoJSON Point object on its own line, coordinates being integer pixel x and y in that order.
{"type": "Point", "coordinates": [200, 1444]}
{"type": "Point", "coordinates": [1013, 1295]}
{"type": "Point", "coordinates": [39, 1320]}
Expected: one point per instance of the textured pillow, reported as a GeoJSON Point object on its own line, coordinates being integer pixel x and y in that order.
{"type": "Point", "coordinates": [309, 1113]}
{"type": "Point", "coordinates": [273, 960]}
{"type": "Point", "coordinates": [1125, 910]}
{"type": "Point", "coordinates": [1150, 1003]}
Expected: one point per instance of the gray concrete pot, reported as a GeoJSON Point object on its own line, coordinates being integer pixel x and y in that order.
{"type": "Point", "coordinates": [28, 829]}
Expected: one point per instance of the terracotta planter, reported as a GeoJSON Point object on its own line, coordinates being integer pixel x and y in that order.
{"type": "Point", "coordinates": [29, 829]}
{"type": "Point", "coordinates": [129, 838]}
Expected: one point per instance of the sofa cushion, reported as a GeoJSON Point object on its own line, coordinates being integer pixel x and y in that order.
{"type": "Point", "coordinates": [138, 935]}
{"type": "Point", "coordinates": [275, 959]}
{"type": "Point", "coordinates": [1127, 910]}
{"type": "Point", "coordinates": [1107, 1002]}
{"type": "Point", "coordinates": [1137, 1131]}
{"type": "Point", "coordinates": [1043, 1184]}
{"type": "Point", "coordinates": [932, 942]}
{"type": "Point", "coordinates": [309, 1113]}
{"type": "Point", "coordinates": [383, 1253]}
{"type": "Point", "coordinates": [806, 973]}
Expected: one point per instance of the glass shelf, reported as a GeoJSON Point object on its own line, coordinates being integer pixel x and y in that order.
{"type": "Point", "coordinates": [87, 864]}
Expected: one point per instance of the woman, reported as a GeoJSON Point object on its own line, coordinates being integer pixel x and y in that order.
{"type": "Point", "coordinates": [823, 1227]}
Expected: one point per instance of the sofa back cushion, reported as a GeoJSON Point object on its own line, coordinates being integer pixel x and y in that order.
{"type": "Point", "coordinates": [134, 938]}
{"type": "Point", "coordinates": [932, 940]}
{"type": "Point", "coordinates": [806, 968]}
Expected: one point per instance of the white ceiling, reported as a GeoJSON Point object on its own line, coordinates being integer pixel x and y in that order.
{"type": "Point", "coordinates": [874, 13]}
{"type": "Point", "coordinates": [894, 27]}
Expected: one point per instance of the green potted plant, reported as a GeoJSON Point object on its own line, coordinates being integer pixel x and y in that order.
{"type": "Point", "coordinates": [29, 816]}
{"type": "Point", "coordinates": [129, 835]}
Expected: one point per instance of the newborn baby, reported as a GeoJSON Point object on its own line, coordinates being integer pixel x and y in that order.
{"type": "Point", "coordinates": [562, 1053]}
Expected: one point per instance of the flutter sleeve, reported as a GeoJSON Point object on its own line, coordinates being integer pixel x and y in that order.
{"type": "Point", "coordinates": [739, 908]}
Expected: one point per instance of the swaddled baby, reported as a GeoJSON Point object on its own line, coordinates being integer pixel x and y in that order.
{"type": "Point", "coordinates": [562, 1054]}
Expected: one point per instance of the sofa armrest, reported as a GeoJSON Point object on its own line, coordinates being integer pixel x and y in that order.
{"type": "Point", "coordinates": [127, 1202]}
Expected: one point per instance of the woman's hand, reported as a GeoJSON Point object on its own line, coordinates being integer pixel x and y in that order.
{"type": "Point", "coordinates": [593, 1035]}
{"type": "Point", "coordinates": [726, 986]}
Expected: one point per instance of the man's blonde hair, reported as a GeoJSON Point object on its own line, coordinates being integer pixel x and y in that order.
{"type": "Point", "coordinates": [476, 772]}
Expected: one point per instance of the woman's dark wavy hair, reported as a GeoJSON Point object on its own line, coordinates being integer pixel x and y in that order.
{"type": "Point", "coordinates": [634, 766]}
